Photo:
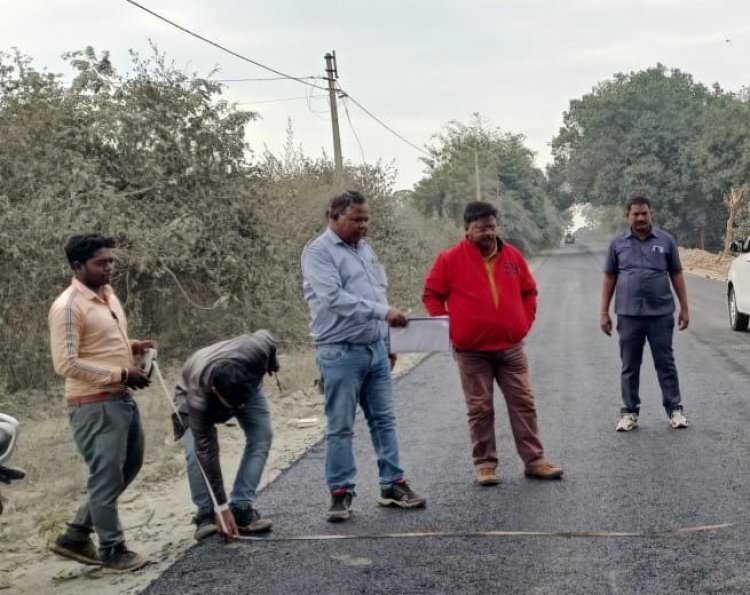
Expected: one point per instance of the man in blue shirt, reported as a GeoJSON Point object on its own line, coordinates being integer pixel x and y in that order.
{"type": "Point", "coordinates": [346, 289]}
{"type": "Point", "coordinates": [640, 265]}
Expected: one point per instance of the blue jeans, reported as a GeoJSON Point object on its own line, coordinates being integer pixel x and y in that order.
{"type": "Point", "coordinates": [633, 332]}
{"type": "Point", "coordinates": [358, 374]}
{"type": "Point", "coordinates": [255, 421]}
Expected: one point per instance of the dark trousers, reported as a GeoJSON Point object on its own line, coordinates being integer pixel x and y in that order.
{"type": "Point", "coordinates": [110, 439]}
{"type": "Point", "coordinates": [633, 332]}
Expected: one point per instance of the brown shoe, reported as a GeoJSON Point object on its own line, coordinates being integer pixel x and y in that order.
{"type": "Point", "coordinates": [543, 470]}
{"type": "Point", "coordinates": [486, 477]}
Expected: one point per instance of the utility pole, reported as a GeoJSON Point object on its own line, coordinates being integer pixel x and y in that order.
{"type": "Point", "coordinates": [332, 75]}
{"type": "Point", "coordinates": [476, 174]}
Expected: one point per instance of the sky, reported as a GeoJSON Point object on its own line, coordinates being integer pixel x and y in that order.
{"type": "Point", "coordinates": [414, 64]}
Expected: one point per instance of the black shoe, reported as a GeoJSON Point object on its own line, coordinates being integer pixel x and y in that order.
{"type": "Point", "coordinates": [248, 520]}
{"type": "Point", "coordinates": [119, 558]}
{"type": "Point", "coordinates": [341, 506]}
{"type": "Point", "coordinates": [401, 495]}
{"type": "Point", "coordinates": [205, 525]}
{"type": "Point", "coordinates": [80, 550]}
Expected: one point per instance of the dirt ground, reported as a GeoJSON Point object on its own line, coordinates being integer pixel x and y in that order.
{"type": "Point", "coordinates": [156, 510]}
{"type": "Point", "coordinates": [705, 264]}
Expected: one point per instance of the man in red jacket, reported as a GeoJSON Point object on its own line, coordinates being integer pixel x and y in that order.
{"type": "Point", "coordinates": [484, 285]}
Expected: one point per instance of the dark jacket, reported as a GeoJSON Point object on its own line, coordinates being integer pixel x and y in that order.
{"type": "Point", "coordinates": [200, 410]}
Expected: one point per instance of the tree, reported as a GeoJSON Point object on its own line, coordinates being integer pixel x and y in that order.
{"type": "Point", "coordinates": [720, 156]}
{"type": "Point", "coordinates": [153, 159]}
{"type": "Point", "coordinates": [507, 177]}
{"type": "Point", "coordinates": [632, 132]}
{"type": "Point", "coordinates": [733, 201]}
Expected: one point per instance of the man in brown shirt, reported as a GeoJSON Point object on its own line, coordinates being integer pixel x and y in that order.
{"type": "Point", "coordinates": [90, 348]}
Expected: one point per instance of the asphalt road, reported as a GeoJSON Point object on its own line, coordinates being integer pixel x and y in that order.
{"type": "Point", "coordinates": [652, 511]}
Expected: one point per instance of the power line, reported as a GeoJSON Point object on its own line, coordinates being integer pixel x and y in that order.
{"type": "Point", "coordinates": [222, 48]}
{"type": "Point", "coordinates": [270, 78]}
{"type": "Point", "coordinates": [278, 72]}
{"type": "Point", "coordinates": [354, 132]}
{"type": "Point", "coordinates": [271, 100]}
{"type": "Point", "coordinates": [383, 124]}
{"type": "Point", "coordinates": [310, 97]}
{"type": "Point", "coordinates": [210, 80]}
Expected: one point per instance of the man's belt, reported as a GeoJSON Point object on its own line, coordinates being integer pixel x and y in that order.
{"type": "Point", "coordinates": [97, 398]}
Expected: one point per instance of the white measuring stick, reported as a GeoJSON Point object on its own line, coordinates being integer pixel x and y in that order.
{"type": "Point", "coordinates": [168, 396]}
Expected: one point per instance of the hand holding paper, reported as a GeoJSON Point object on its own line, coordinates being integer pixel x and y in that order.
{"type": "Point", "coordinates": [396, 317]}
{"type": "Point", "coordinates": [423, 334]}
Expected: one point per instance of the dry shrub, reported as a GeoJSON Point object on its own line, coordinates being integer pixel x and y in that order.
{"type": "Point", "coordinates": [209, 243]}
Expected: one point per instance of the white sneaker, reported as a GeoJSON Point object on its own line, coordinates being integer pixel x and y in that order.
{"type": "Point", "coordinates": [678, 420]}
{"type": "Point", "coordinates": [629, 421]}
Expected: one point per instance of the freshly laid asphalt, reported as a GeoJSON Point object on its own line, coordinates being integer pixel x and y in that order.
{"type": "Point", "coordinates": [652, 511]}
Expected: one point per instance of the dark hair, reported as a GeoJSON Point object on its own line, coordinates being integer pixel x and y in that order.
{"type": "Point", "coordinates": [343, 201]}
{"type": "Point", "coordinates": [477, 209]}
{"type": "Point", "coordinates": [82, 247]}
{"type": "Point", "coordinates": [637, 197]}
{"type": "Point", "coordinates": [233, 381]}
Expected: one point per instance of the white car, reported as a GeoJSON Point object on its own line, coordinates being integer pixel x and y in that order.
{"type": "Point", "coordinates": [738, 286]}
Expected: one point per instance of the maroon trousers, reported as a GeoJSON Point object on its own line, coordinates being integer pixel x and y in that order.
{"type": "Point", "coordinates": [509, 367]}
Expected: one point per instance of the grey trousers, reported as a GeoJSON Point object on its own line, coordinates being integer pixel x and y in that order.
{"type": "Point", "coordinates": [110, 439]}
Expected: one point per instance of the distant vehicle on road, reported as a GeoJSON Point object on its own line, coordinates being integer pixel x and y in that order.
{"type": "Point", "coordinates": [569, 238]}
{"type": "Point", "coordinates": [738, 286]}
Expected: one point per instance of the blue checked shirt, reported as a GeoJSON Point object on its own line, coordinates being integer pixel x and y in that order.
{"type": "Point", "coordinates": [346, 290]}
{"type": "Point", "coordinates": [642, 268]}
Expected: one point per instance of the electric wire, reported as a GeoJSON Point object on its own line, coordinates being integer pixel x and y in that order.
{"type": "Point", "coordinates": [383, 124]}
{"type": "Point", "coordinates": [317, 113]}
{"type": "Point", "coordinates": [278, 72]}
{"type": "Point", "coordinates": [280, 99]}
{"type": "Point", "coordinates": [222, 48]}
{"type": "Point", "coordinates": [270, 78]}
{"type": "Point", "coordinates": [354, 132]}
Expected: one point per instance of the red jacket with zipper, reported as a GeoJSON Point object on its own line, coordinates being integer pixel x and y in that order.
{"type": "Point", "coordinates": [458, 285]}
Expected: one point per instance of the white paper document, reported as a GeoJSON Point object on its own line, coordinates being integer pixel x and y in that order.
{"type": "Point", "coordinates": [420, 335]}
